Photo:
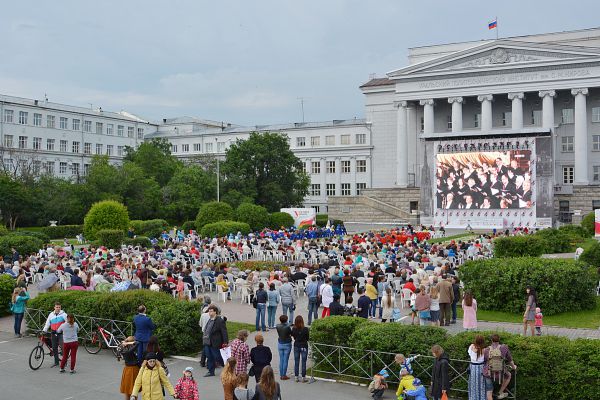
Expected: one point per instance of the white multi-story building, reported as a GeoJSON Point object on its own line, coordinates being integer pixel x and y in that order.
{"type": "Point", "coordinates": [40, 136]}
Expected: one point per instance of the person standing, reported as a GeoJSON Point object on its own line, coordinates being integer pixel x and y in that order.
{"type": "Point", "coordinates": [152, 379]}
{"type": "Point", "coordinates": [267, 388]}
{"type": "Point", "coordinates": [381, 287]}
{"type": "Point", "coordinates": [19, 299]}
{"type": "Point", "coordinates": [300, 333]}
{"type": "Point", "coordinates": [131, 368]}
{"type": "Point", "coordinates": [186, 387]}
{"type": "Point", "coordinates": [372, 294]}
{"type": "Point", "coordinates": [529, 315]}
{"type": "Point", "coordinates": [446, 293]}
{"type": "Point", "coordinates": [214, 338]}
{"type": "Point", "coordinates": [288, 301]}
{"type": "Point", "coordinates": [70, 342]}
{"type": "Point", "coordinates": [388, 303]}
{"type": "Point", "coordinates": [273, 301]}
{"type": "Point", "coordinates": [496, 367]}
{"type": "Point", "coordinates": [326, 297]}
{"type": "Point", "coordinates": [364, 304]}
{"type": "Point", "coordinates": [312, 292]}
{"type": "Point", "coordinates": [440, 380]}
{"type": "Point", "coordinates": [284, 346]}
{"type": "Point", "coordinates": [456, 291]}
{"type": "Point", "coordinates": [241, 352]}
{"type": "Point", "coordinates": [260, 300]}
{"type": "Point", "coordinates": [469, 305]}
{"type": "Point", "coordinates": [55, 319]}
{"type": "Point", "coordinates": [476, 379]}
{"type": "Point", "coordinates": [348, 282]}
{"type": "Point", "coordinates": [229, 378]}
{"type": "Point", "coordinates": [144, 327]}
{"type": "Point", "coordinates": [422, 304]}
{"type": "Point", "coordinates": [260, 356]}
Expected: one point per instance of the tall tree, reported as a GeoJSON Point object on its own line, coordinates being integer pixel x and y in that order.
{"type": "Point", "coordinates": [16, 200]}
{"type": "Point", "coordinates": [186, 191]}
{"type": "Point", "coordinates": [155, 159]}
{"type": "Point", "coordinates": [264, 168]}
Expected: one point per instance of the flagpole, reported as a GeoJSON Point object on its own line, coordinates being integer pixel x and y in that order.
{"type": "Point", "coordinates": [496, 28]}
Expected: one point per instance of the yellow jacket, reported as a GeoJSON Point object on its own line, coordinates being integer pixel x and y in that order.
{"type": "Point", "coordinates": [406, 383]}
{"type": "Point", "coordinates": [371, 291]}
{"type": "Point", "coordinates": [151, 381]}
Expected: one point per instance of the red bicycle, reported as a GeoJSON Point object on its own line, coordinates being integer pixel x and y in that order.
{"type": "Point", "coordinates": [102, 338]}
{"type": "Point", "coordinates": [36, 358]}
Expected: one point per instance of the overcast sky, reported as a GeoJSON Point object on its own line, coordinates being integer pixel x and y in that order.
{"type": "Point", "coordinates": [244, 61]}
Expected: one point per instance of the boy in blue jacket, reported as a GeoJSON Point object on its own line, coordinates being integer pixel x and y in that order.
{"type": "Point", "coordinates": [419, 392]}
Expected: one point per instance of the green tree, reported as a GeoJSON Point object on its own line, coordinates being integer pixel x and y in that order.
{"type": "Point", "coordinates": [264, 168]}
{"type": "Point", "coordinates": [58, 200]}
{"type": "Point", "coordinates": [107, 214]}
{"type": "Point", "coordinates": [255, 216]}
{"type": "Point", "coordinates": [141, 194]}
{"type": "Point", "coordinates": [16, 200]}
{"type": "Point", "coordinates": [155, 159]}
{"type": "Point", "coordinates": [186, 191]}
{"type": "Point", "coordinates": [213, 211]}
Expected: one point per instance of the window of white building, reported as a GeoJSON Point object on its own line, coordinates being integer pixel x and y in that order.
{"type": "Point", "coordinates": [64, 122]}
{"type": "Point", "coordinates": [198, 147]}
{"type": "Point", "coordinates": [37, 143]}
{"type": "Point", "coordinates": [8, 141]}
{"type": "Point", "coordinates": [331, 167]}
{"type": "Point", "coordinates": [120, 151]}
{"type": "Point", "coordinates": [300, 141]}
{"type": "Point", "coordinates": [109, 149]}
{"type": "Point", "coordinates": [63, 146]}
{"type": "Point", "coordinates": [75, 124]}
{"type": "Point", "coordinates": [49, 167]}
{"type": "Point", "coordinates": [87, 126]}
{"type": "Point", "coordinates": [567, 144]}
{"type": "Point", "coordinates": [315, 141]}
{"type": "Point", "coordinates": [359, 187]}
{"type": "Point", "coordinates": [87, 148]}
{"type": "Point", "coordinates": [62, 168]}
{"type": "Point", "coordinates": [23, 117]}
{"type": "Point", "coordinates": [449, 122]}
{"type": "Point", "coordinates": [208, 147]}
{"type": "Point", "coordinates": [99, 128]}
{"type": "Point", "coordinates": [567, 115]}
{"type": "Point", "coordinates": [75, 147]}
{"type": "Point", "coordinates": [50, 121]}
{"type": "Point", "coordinates": [130, 131]}
{"type": "Point", "coordinates": [315, 189]}
{"type": "Point", "coordinates": [185, 148]}
{"type": "Point", "coordinates": [50, 144]}
{"type": "Point", "coordinates": [37, 119]}
{"type": "Point", "coordinates": [330, 140]}
{"type": "Point", "coordinates": [173, 148]}
{"type": "Point", "coordinates": [110, 129]}
{"type": "Point", "coordinates": [99, 148]}
{"type": "Point", "coordinates": [315, 167]}
{"type": "Point", "coordinates": [596, 173]}
{"type": "Point", "coordinates": [595, 114]}
{"type": "Point", "coordinates": [536, 117]}
{"type": "Point", "coordinates": [140, 133]}
{"type": "Point", "coordinates": [596, 142]}
{"type": "Point", "coordinates": [75, 169]}
{"type": "Point", "coordinates": [361, 138]}
{"type": "Point", "coordinates": [120, 130]}
{"type": "Point", "coordinates": [361, 165]}
{"type": "Point", "coordinates": [345, 139]}
{"type": "Point", "coordinates": [345, 166]}
{"type": "Point", "coordinates": [8, 116]}
{"type": "Point", "coordinates": [330, 189]}
{"type": "Point", "coordinates": [220, 147]}
{"type": "Point", "coordinates": [507, 118]}
{"type": "Point", "coordinates": [346, 191]}
{"type": "Point", "coordinates": [22, 142]}
{"type": "Point", "coordinates": [568, 175]}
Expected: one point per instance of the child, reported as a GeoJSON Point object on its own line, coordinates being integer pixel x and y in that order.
{"type": "Point", "coordinates": [538, 321]}
{"type": "Point", "coordinates": [419, 392]}
{"type": "Point", "coordinates": [405, 363]}
{"type": "Point", "coordinates": [406, 383]}
{"type": "Point", "coordinates": [187, 388]}
{"type": "Point", "coordinates": [242, 392]}
{"type": "Point", "coordinates": [414, 313]}
{"type": "Point", "coordinates": [377, 386]}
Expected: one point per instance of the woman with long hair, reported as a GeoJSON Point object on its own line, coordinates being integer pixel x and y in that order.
{"type": "Point", "coordinates": [300, 333]}
{"type": "Point", "coordinates": [469, 306]}
{"type": "Point", "coordinates": [70, 342]}
{"type": "Point", "coordinates": [267, 388]}
{"type": "Point", "coordinates": [434, 308]}
{"type": "Point", "coordinates": [529, 315]}
{"type": "Point", "coordinates": [152, 379]}
{"type": "Point", "coordinates": [131, 368]}
{"type": "Point", "coordinates": [229, 378]}
{"type": "Point", "coordinates": [476, 378]}
{"type": "Point", "coordinates": [388, 303]}
{"type": "Point", "coordinates": [19, 299]}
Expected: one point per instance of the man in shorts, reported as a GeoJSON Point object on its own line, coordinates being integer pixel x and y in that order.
{"type": "Point", "coordinates": [496, 368]}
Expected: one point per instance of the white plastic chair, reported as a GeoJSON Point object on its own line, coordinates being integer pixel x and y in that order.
{"type": "Point", "coordinates": [406, 293]}
{"type": "Point", "coordinates": [221, 293]}
{"type": "Point", "coordinates": [361, 281]}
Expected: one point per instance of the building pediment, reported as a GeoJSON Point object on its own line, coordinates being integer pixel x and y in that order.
{"type": "Point", "coordinates": [499, 55]}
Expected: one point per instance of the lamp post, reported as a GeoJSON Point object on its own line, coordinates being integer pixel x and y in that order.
{"type": "Point", "coordinates": [218, 178]}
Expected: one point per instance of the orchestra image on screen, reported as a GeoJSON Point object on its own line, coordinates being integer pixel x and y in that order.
{"type": "Point", "coordinates": [484, 180]}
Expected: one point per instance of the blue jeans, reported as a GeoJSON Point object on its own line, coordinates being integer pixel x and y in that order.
{"type": "Point", "coordinates": [313, 308]}
{"type": "Point", "coordinates": [284, 356]}
{"type": "Point", "coordinates": [373, 309]}
{"type": "Point", "coordinates": [261, 308]}
{"type": "Point", "coordinates": [212, 356]}
{"type": "Point", "coordinates": [288, 308]}
{"type": "Point", "coordinates": [18, 321]}
{"type": "Point", "coordinates": [140, 351]}
{"type": "Point", "coordinates": [454, 311]}
{"type": "Point", "coordinates": [380, 308]}
{"type": "Point", "coordinates": [272, 311]}
{"type": "Point", "coordinates": [300, 352]}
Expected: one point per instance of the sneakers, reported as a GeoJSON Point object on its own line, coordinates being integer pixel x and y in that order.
{"type": "Point", "coordinates": [305, 380]}
{"type": "Point", "coordinates": [54, 365]}
{"type": "Point", "coordinates": [502, 395]}
{"type": "Point", "coordinates": [284, 378]}
{"type": "Point", "coordinates": [72, 371]}
{"type": "Point", "coordinates": [297, 379]}
{"type": "Point", "coordinates": [62, 370]}
{"type": "Point", "coordinates": [208, 374]}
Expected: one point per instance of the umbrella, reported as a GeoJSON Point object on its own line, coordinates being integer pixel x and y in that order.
{"type": "Point", "coordinates": [47, 282]}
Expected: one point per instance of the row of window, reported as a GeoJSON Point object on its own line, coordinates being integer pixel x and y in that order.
{"type": "Point", "coordinates": [208, 147]}
{"type": "Point", "coordinates": [568, 174]}
{"type": "Point", "coordinates": [568, 143]}
{"type": "Point", "coordinates": [23, 119]}
{"type": "Point", "coordinates": [63, 145]}
{"type": "Point", "coordinates": [315, 141]}
{"type": "Point", "coordinates": [330, 167]}
{"type": "Point", "coordinates": [48, 167]}
{"type": "Point", "coordinates": [315, 189]}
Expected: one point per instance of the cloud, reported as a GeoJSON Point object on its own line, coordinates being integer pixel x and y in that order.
{"type": "Point", "coordinates": [258, 100]}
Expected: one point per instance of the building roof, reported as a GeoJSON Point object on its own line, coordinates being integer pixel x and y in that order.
{"type": "Point", "coordinates": [377, 82]}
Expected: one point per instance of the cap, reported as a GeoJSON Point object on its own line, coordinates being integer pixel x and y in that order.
{"type": "Point", "coordinates": [190, 369]}
{"type": "Point", "coordinates": [417, 382]}
{"type": "Point", "coordinates": [150, 356]}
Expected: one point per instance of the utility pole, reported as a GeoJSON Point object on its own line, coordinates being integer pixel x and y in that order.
{"type": "Point", "coordinates": [218, 177]}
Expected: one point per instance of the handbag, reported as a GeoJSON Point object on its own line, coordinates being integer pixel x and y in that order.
{"type": "Point", "coordinates": [444, 396]}
{"type": "Point", "coordinates": [424, 314]}
{"type": "Point", "coordinates": [251, 371]}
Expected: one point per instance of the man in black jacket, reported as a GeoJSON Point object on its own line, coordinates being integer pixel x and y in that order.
{"type": "Point", "coordinates": [363, 304]}
{"type": "Point", "coordinates": [335, 308]}
{"type": "Point", "coordinates": [214, 338]}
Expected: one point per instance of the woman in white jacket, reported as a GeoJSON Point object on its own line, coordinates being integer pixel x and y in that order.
{"type": "Point", "coordinates": [388, 303]}
{"type": "Point", "coordinates": [326, 297]}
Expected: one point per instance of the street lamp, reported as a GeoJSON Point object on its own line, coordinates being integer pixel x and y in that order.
{"type": "Point", "coordinates": [217, 152]}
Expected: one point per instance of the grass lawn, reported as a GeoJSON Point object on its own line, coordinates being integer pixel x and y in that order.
{"type": "Point", "coordinates": [461, 236]}
{"type": "Point", "coordinates": [233, 328]}
{"type": "Point", "coordinates": [579, 319]}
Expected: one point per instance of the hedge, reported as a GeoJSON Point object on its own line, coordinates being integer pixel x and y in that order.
{"type": "Point", "coordinates": [39, 235]}
{"type": "Point", "coordinates": [591, 255]}
{"type": "Point", "coordinates": [499, 284]}
{"type": "Point", "coordinates": [224, 228]}
{"type": "Point", "coordinates": [62, 231]}
{"type": "Point", "coordinates": [107, 214]}
{"type": "Point", "coordinates": [150, 228]}
{"type": "Point", "coordinates": [259, 265]}
{"type": "Point", "coordinates": [7, 285]}
{"type": "Point", "coordinates": [546, 241]}
{"type": "Point", "coordinates": [548, 366]}
{"type": "Point", "coordinates": [279, 219]}
{"type": "Point", "coordinates": [3, 230]}
{"type": "Point", "coordinates": [25, 245]}
{"type": "Point", "coordinates": [111, 238]}
{"type": "Point", "coordinates": [322, 220]}
{"type": "Point", "coordinates": [255, 216]}
{"type": "Point", "coordinates": [213, 211]}
{"type": "Point", "coordinates": [188, 226]}
{"type": "Point", "coordinates": [588, 223]}
{"type": "Point", "coordinates": [176, 321]}
{"type": "Point", "coordinates": [142, 241]}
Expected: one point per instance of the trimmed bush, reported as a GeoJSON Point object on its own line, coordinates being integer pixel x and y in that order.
{"type": "Point", "coordinates": [224, 228]}
{"type": "Point", "coordinates": [255, 216]}
{"type": "Point", "coordinates": [559, 240]}
{"type": "Point", "coordinates": [575, 231]}
{"type": "Point", "coordinates": [499, 284]}
{"type": "Point", "coordinates": [7, 285]}
{"type": "Point", "coordinates": [39, 235]}
{"type": "Point", "coordinates": [335, 330]}
{"type": "Point", "coordinates": [107, 214]}
{"type": "Point", "coordinates": [213, 211]}
{"type": "Point", "coordinates": [588, 223]}
{"type": "Point", "coordinates": [142, 241]}
{"type": "Point", "coordinates": [3, 230]}
{"type": "Point", "coordinates": [25, 245]}
{"type": "Point", "coordinates": [322, 220]}
{"type": "Point", "coordinates": [150, 228]}
{"type": "Point", "coordinates": [279, 219]}
{"type": "Point", "coordinates": [188, 226]}
{"type": "Point", "coordinates": [111, 238]}
{"type": "Point", "coordinates": [62, 231]}
{"type": "Point", "coordinates": [591, 255]}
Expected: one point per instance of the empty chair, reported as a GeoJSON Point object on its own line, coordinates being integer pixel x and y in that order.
{"type": "Point", "coordinates": [406, 293]}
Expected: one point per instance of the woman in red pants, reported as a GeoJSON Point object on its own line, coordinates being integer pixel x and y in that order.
{"type": "Point", "coordinates": [70, 344]}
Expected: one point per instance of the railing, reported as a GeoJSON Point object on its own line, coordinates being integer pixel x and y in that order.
{"type": "Point", "coordinates": [36, 320]}
{"type": "Point", "coordinates": [360, 365]}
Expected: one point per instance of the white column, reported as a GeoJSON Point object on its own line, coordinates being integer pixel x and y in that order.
{"type": "Point", "coordinates": [457, 116]}
{"type": "Point", "coordinates": [353, 176]}
{"type": "Point", "coordinates": [402, 146]}
{"type": "Point", "coordinates": [323, 179]}
{"type": "Point", "coordinates": [581, 139]}
{"type": "Point", "coordinates": [517, 109]}
{"type": "Point", "coordinates": [338, 176]}
{"type": "Point", "coordinates": [486, 112]}
{"type": "Point", "coordinates": [547, 108]}
{"type": "Point", "coordinates": [428, 116]}
{"type": "Point", "coordinates": [369, 173]}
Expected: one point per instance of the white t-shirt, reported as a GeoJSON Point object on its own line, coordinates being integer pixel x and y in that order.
{"type": "Point", "coordinates": [326, 295]}
{"type": "Point", "coordinates": [473, 355]}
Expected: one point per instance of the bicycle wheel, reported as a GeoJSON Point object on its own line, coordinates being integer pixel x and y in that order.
{"type": "Point", "coordinates": [92, 343]}
{"type": "Point", "coordinates": [36, 358]}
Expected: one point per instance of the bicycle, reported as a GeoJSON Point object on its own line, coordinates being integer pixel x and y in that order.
{"type": "Point", "coordinates": [102, 338]}
{"type": "Point", "coordinates": [36, 357]}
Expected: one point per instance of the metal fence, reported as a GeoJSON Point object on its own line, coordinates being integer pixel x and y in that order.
{"type": "Point", "coordinates": [360, 365]}
{"type": "Point", "coordinates": [36, 319]}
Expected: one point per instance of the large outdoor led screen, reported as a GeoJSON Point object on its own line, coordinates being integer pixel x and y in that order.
{"type": "Point", "coordinates": [484, 180]}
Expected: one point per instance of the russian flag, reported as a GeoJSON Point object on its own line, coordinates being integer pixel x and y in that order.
{"type": "Point", "coordinates": [493, 24]}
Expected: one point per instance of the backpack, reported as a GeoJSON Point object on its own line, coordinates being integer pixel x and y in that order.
{"type": "Point", "coordinates": [495, 360]}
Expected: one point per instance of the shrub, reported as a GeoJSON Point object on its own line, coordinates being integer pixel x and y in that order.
{"type": "Point", "coordinates": [499, 284]}
{"type": "Point", "coordinates": [3, 230]}
{"type": "Point", "coordinates": [279, 219]}
{"type": "Point", "coordinates": [142, 241]}
{"type": "Point", "coordinates": [25, 245]}
{"type": "Point", "coordinates": [559, 240]}
{"type": "Point", "coordinates": [7, 285]}
{"type": "Point", "coordinates": [588, 223]}
{"type": "Point", "coordinates": [150, 228]}
{"type": "Point", "coordinates": [591, 255]}
{"type": "Point", "coordinates": [111, 238]}
{"type": "Point", "coordinates": [574, 230]}
{"type": "Point", "coordinates": [62, 231]}
{"type": "Point", "coordinates": [224, 228]}
{"type": "Point", "coordinates": [39, 235]}
{"type": "Point", "coordinates": [255, 216]}
{"type": "Point", "coordinates": [335, 330]}
{"type": "Point", "coordinates": [260, 265]}
{"type": "Point", "coordinates": [188, 226]}
{"type": "Point", "coordinates": [107, 214]}
{"type": "Point", "coordinates": [213, 211]}
{"type": "Point", "coordinates": [322, 220]}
